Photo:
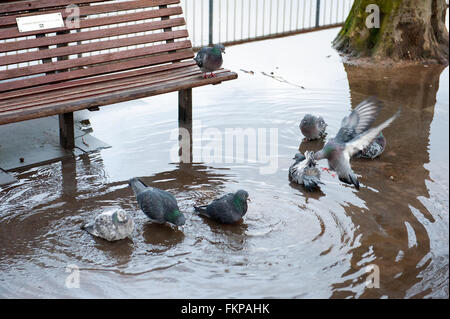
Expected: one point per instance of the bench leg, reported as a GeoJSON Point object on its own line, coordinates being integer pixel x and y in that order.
{"type": "Point", "coordinates": [185, 106]}
{"type": "Point", "coordinates": [66, 131]}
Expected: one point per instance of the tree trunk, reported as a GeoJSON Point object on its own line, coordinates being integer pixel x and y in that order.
{"type": "Point", "coordinates": [411, 30]}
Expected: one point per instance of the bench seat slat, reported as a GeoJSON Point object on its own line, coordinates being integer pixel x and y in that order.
{"type": "Point", "coordinates": [5, 97]}
{"type": "Point", "coordinates": [96, 9]}
{"type": "Point", "coordinates": [13, 32]}
{"type": "Point", "coordinates": [111, 98]}
{"type": "Point", "coordinates": [98, 82]}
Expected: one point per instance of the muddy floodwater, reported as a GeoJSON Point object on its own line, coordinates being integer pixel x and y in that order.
{"type": "Point", "coordinates": [291, 244]}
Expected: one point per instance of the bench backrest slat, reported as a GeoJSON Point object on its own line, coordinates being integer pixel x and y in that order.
{"type": "Point", "coordinates": [112, 36]}
{"type": "Point", "coordinates": [13, 32]}
{"type": "Point", "coordinates": [9, 8]}
{"type": "Point", "coordinates": [88, 60]}
{"type": "Point", "coordinates": [91, 35]}
{"type": "Point", "coordinates": [92, 47]}
{"type": "Point", "coordinates": [10, 20]}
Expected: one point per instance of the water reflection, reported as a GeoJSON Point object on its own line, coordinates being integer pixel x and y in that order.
{"type": "Point", "coordinates": [314, 146]}
{"type": "Point", "coordinates": [162, 236]}
{"type": "Point", "coordinates": [226, 236]}
{"type": "Point", "coordinates": [186, 176]}
{"type": "Point", "coordinates": [307, 194]}
{"type": "Point", "coordinates": [401, 246]}
{"type": "Point", "coordinates": [120, 252]}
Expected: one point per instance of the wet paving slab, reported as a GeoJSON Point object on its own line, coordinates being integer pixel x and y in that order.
{"type": "Point", "coordinates": [36, 142]}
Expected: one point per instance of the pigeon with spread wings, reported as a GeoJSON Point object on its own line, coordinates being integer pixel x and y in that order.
{"type": "Point", "coordinates": [353, 137]}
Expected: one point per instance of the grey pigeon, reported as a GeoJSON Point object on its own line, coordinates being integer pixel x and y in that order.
{"type": "Point", "coordinates": [111, 225]}
{"type": "Point", "coordinates": [210, 59]}
{"type": "Point", "coordinates": [353, 136]}
{"type": "Point", "coordinates": [374, 149]}
{"type": "Point", "coordinates": [228, 209]}
{"type": "Point", "coordinates": [304, 171]}
{"type": "Point", "coordinates": [313, 127]}
{"type": "Point", "coordinates": [159, 205]}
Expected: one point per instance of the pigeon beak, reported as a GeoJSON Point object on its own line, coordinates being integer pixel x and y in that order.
{"type": "Point", "coordinates": [249, 199]}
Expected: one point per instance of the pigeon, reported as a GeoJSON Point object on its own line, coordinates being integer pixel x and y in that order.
{"type": "Point", "coordinates": [228, 209]}
{"type": "Point", "coordinates": [374, 149]}
{"type": "Point", "coordinates": [111, 225]}
{"type": "Point", "coordinates": [304, 171]}
{"type": "Point", "coordinates": [160, 206]}
{"type": "Point", "coordinates": [312, 127]}
{"type": "Point", "coordinates": [210, 59]}
{"type": "Point", "coordinates": [353, 136]}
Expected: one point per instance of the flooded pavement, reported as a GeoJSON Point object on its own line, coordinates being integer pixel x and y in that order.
{"type": "Point", "coordinates": [291, 244]}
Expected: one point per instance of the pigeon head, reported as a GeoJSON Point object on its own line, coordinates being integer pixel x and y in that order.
{"type": "Point", "coordinates": [308, 120]}
{"type": "Point", "coordinates": [240, 201]}
{"type": "Point", "coordinates": [220, 48]}
{"type": "Point", "coordinates": [299, 157]}
{"type": "Point", "coordinates": [242, 195]}
{"type": "Point", "coordinates": [176, 217]}
{"type": "Point", "coordinates": [312, 127]}
{"type": "Point", "coordinates": [120, 217]}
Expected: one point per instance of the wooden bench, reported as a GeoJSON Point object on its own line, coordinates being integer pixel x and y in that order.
{"type": "Point", "coordinates": [117, 51]}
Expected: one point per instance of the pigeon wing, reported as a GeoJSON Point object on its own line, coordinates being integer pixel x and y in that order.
{"type": "Point", "coordinates": [362, 141]}
{"type": "Point", "coordinates": [296, 172]}
{"type": "Point", "coordinates": [200, 57]}
{"type": "Point", "coordinates": [221, 211]}
{"type": "Point", "coordinates": [311, 178]}
{"type": "Point", "coordinates": [359, 120]}
{"type": "Point", "coordinates": [104, 226]}
{"type": "Point", "coordinates": [150, 203]}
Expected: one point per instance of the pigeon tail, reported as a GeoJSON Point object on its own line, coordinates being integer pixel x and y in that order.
{"type": "Point", "coordinates": [350, 179]}
{"type": "Point", "coordinates": [89, 228]}
{"type": "Point", "coordinates": [137, 185]}
{"type": "Point", "coordinates": [201, 210]}
{"type": "Point", "coordinates": [311, 183]}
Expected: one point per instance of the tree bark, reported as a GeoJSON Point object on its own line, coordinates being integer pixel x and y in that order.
{"type": "Point", "coordinates": [411, 30]}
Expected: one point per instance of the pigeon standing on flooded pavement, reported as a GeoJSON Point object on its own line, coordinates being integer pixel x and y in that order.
{"type": "Point", "coordinates": [312, 127]}
{"type": "Point", "coordinates": [210, 59]}
{"type": "Point", "coordinates": [228, 209]}
{"type": "Point", "coordinates": [353, 136]}
{"type": "Point", "coordinates": [304, 171]}
{"type": "Point", "coordinates": [159, 205]}
{"type": "Point", "coordinates": [111, 225]}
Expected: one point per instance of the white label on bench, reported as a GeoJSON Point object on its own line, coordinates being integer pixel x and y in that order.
{"type": "Point", "coordinates": [40, 22]}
